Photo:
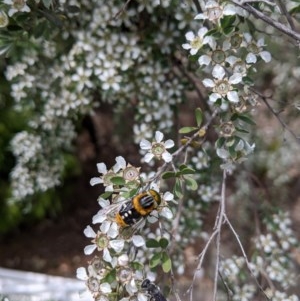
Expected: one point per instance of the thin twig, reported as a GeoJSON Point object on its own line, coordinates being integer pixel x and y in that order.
{"type": "Point", "coordinates": [245, 256]}
{"type": "Point", "coordinates": [199, 266]}
{"type": "Point", "coordinates": [289, 32]}
{"type": "Point", "coordinates": [276, 114]}
{"type": "Point", "coordinates": [286, 14]}
{"type": "Point", "coordinates": [184, 147]}
{"type": "Point", "coordinates": [219, 228]}
{"type": "Point", "coordinates": [122, 10]}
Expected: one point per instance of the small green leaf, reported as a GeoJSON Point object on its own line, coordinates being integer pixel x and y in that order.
{"type": "Point", "coordinates": [168, 174]}
{"type": "Point", "coordinates": [246, 119]}
{"type": "Point", "coordinates": [163, 242]}
{"type": "Point", "coordinates": [178, 189]}
{"type": "Point", "coordinates": [106, 195]}
{"type": "Point", "coordinates": [199, 116]}
{"type": "Point", "coordinates": [152, 243]}
{"type": "Point", "coordinates": [191, 183]}
{"type": "Point", "coordinates": [238, 129]}
{"type": "Point", "coordinates": [187, 171]}
{"type": "Point", "coordinates": [220, 142]}
{"type": "Point", "coordinates": [136, 265]}
{"type": "Point", "coordinates": [166, 262]}
{"type": "Point", "coordinates": [187, 129]}
{"type": "Point", "coordinates": [155, 260]}
{"type": "Point", "coordinates": [110, 276]}
{"type": "Point", "coordinates": [117, 180]}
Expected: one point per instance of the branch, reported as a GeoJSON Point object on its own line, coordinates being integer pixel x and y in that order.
{"type": "Point", "coordinates": [184, 147]}
{"type": "Point", "coordinates": [276, 114]}
{"type": "Point", "coordinates": [286, 14]}
{"type": "Point", "coordinates": [289, 32]}
{"type": "Point", "coordinates": [122, 10]}
{"type": "Point", "coordinates": [245, 256]}
{"type": "Point", "coordinates": [218, 229]}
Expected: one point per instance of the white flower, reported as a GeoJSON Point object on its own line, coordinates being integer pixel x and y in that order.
{"type": "Point", "coordinates": [217, 56]}
{"type": "Point", "coordinates": [82, 77]}
{"type": "Point", "coordinates": [158, 148]}
{"type": "Point", "coordinates": [166, 211]}
{"type": "Point", "coordinates": [196, 41]}
{"type": "Point", "coordinates": [255, 49]}
{"type": "Point", "coordinates": [102, 242]}
{"type": "Point", "coordinates": [222, 86]}
{"type": "Point", "coordinates": [213, 11]}
{"type": "Point", "coordinates": [17, 6]}
{"type": "Point", "coordinates": [107, 174]}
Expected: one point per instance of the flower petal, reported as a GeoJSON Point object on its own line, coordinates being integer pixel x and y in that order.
{"type": "Point", "coordinates": [166, 212]}
{"type": "Point", "coordinates": [190, 36]}
{"type": "Point", "coordinates": [204, 60]}
{"type": "Point", "coordinates": [167, 157]}
{"type": "Point", "coordinates": [81, 274]}
{"type": "Point", "coordinates": [106, 255]}
{"type": "Point", "coordinates": [213, 97]}
{"type": "Point", "coordinates": [251, 58]}
{"type": "Point", "coordinates": [233, 96]}
{"type": "Point", "coordinates": [89, 232]}
{"type": "Point", "coordinates": [105, 288]}
{"type": "Point", "coordinates": [218, 72]}
{"type": "Point", "coordinates": [186, 46]}
{"type": "Point", "coordinates": [89, 249]}
{"type": "Point", "coordinates": [117, 245]}
{"type": "Point", "coordinates": [120, 164]}
{"type": "Point", "coordinates": [95, 181]}
{"type": "Point", "coordinates": [138, 240]}
{"type": "Point", "coordinates": [200, 16]}
{"type": "Point", "coordinates": [145, 144]}
{"type": "Point", "coordinates": [235, 78]}
{"type": "Point", "coordinates": [101, 167]}
{"type": "Point", "coordinates": [159, 136]}
{"type": "Point", "coordinates": [222, 153]}
{"type": "Point", "coordinates": [169, 143]}
{"type": "Point", "coordinates": [148, 157]}
{"type": "Point", "coordinates": [168, 196]}
{"type": "Point", "coordinates": [209, 83]}
{"type": "Point", "coordinates": [266, 56]}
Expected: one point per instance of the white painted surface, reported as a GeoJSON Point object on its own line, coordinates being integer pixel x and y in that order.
{"type": "Point", "coordinates": [29, 286]}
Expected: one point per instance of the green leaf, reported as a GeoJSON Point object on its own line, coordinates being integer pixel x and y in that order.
{"type": "Point", "coordinates": [168, 174]}
{"type": "Point", "coordinates": [199, 116]}
{"type": "Point", "coordinates": [227, 22]}
{"type": "Point", "coordinates": [166, 262]}
{"type": "Point", "coordinates": [152, 243]}
{"type": "Point", "coordinates": [295, 10]}
{"type": "Point", "coordinates": [238, 129]}
{"type": "Point", "coordinates": [191, 183]}
{"type": "Point", "coordinates": [110, 276]}
{"type": "Point", "coordinates": [136, 265]}
{"type": "Point", "coordinates": [178, 189]}
{"type": "Point", "coordinates": [163, 242]}
{"type": "Point", "coordinates": [187, 171]}
{"type": "Point", "coordinates": [117, 180]}
{"type": "Point", "coordinates": [187, 129]}
{"type": "Point", "coordinates": [155, 260]}
{"type": "Point", "coordinates": [106, 195]}
{"type": "Point", "coordinates": [220, 142]}
{"type": "Point", "coordinates": [246, 119]}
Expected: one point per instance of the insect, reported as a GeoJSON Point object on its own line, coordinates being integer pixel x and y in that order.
{"type": "Point", "coordinates": [140, 206]}
{"type": "Point", "coordinates": [153, 290]}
